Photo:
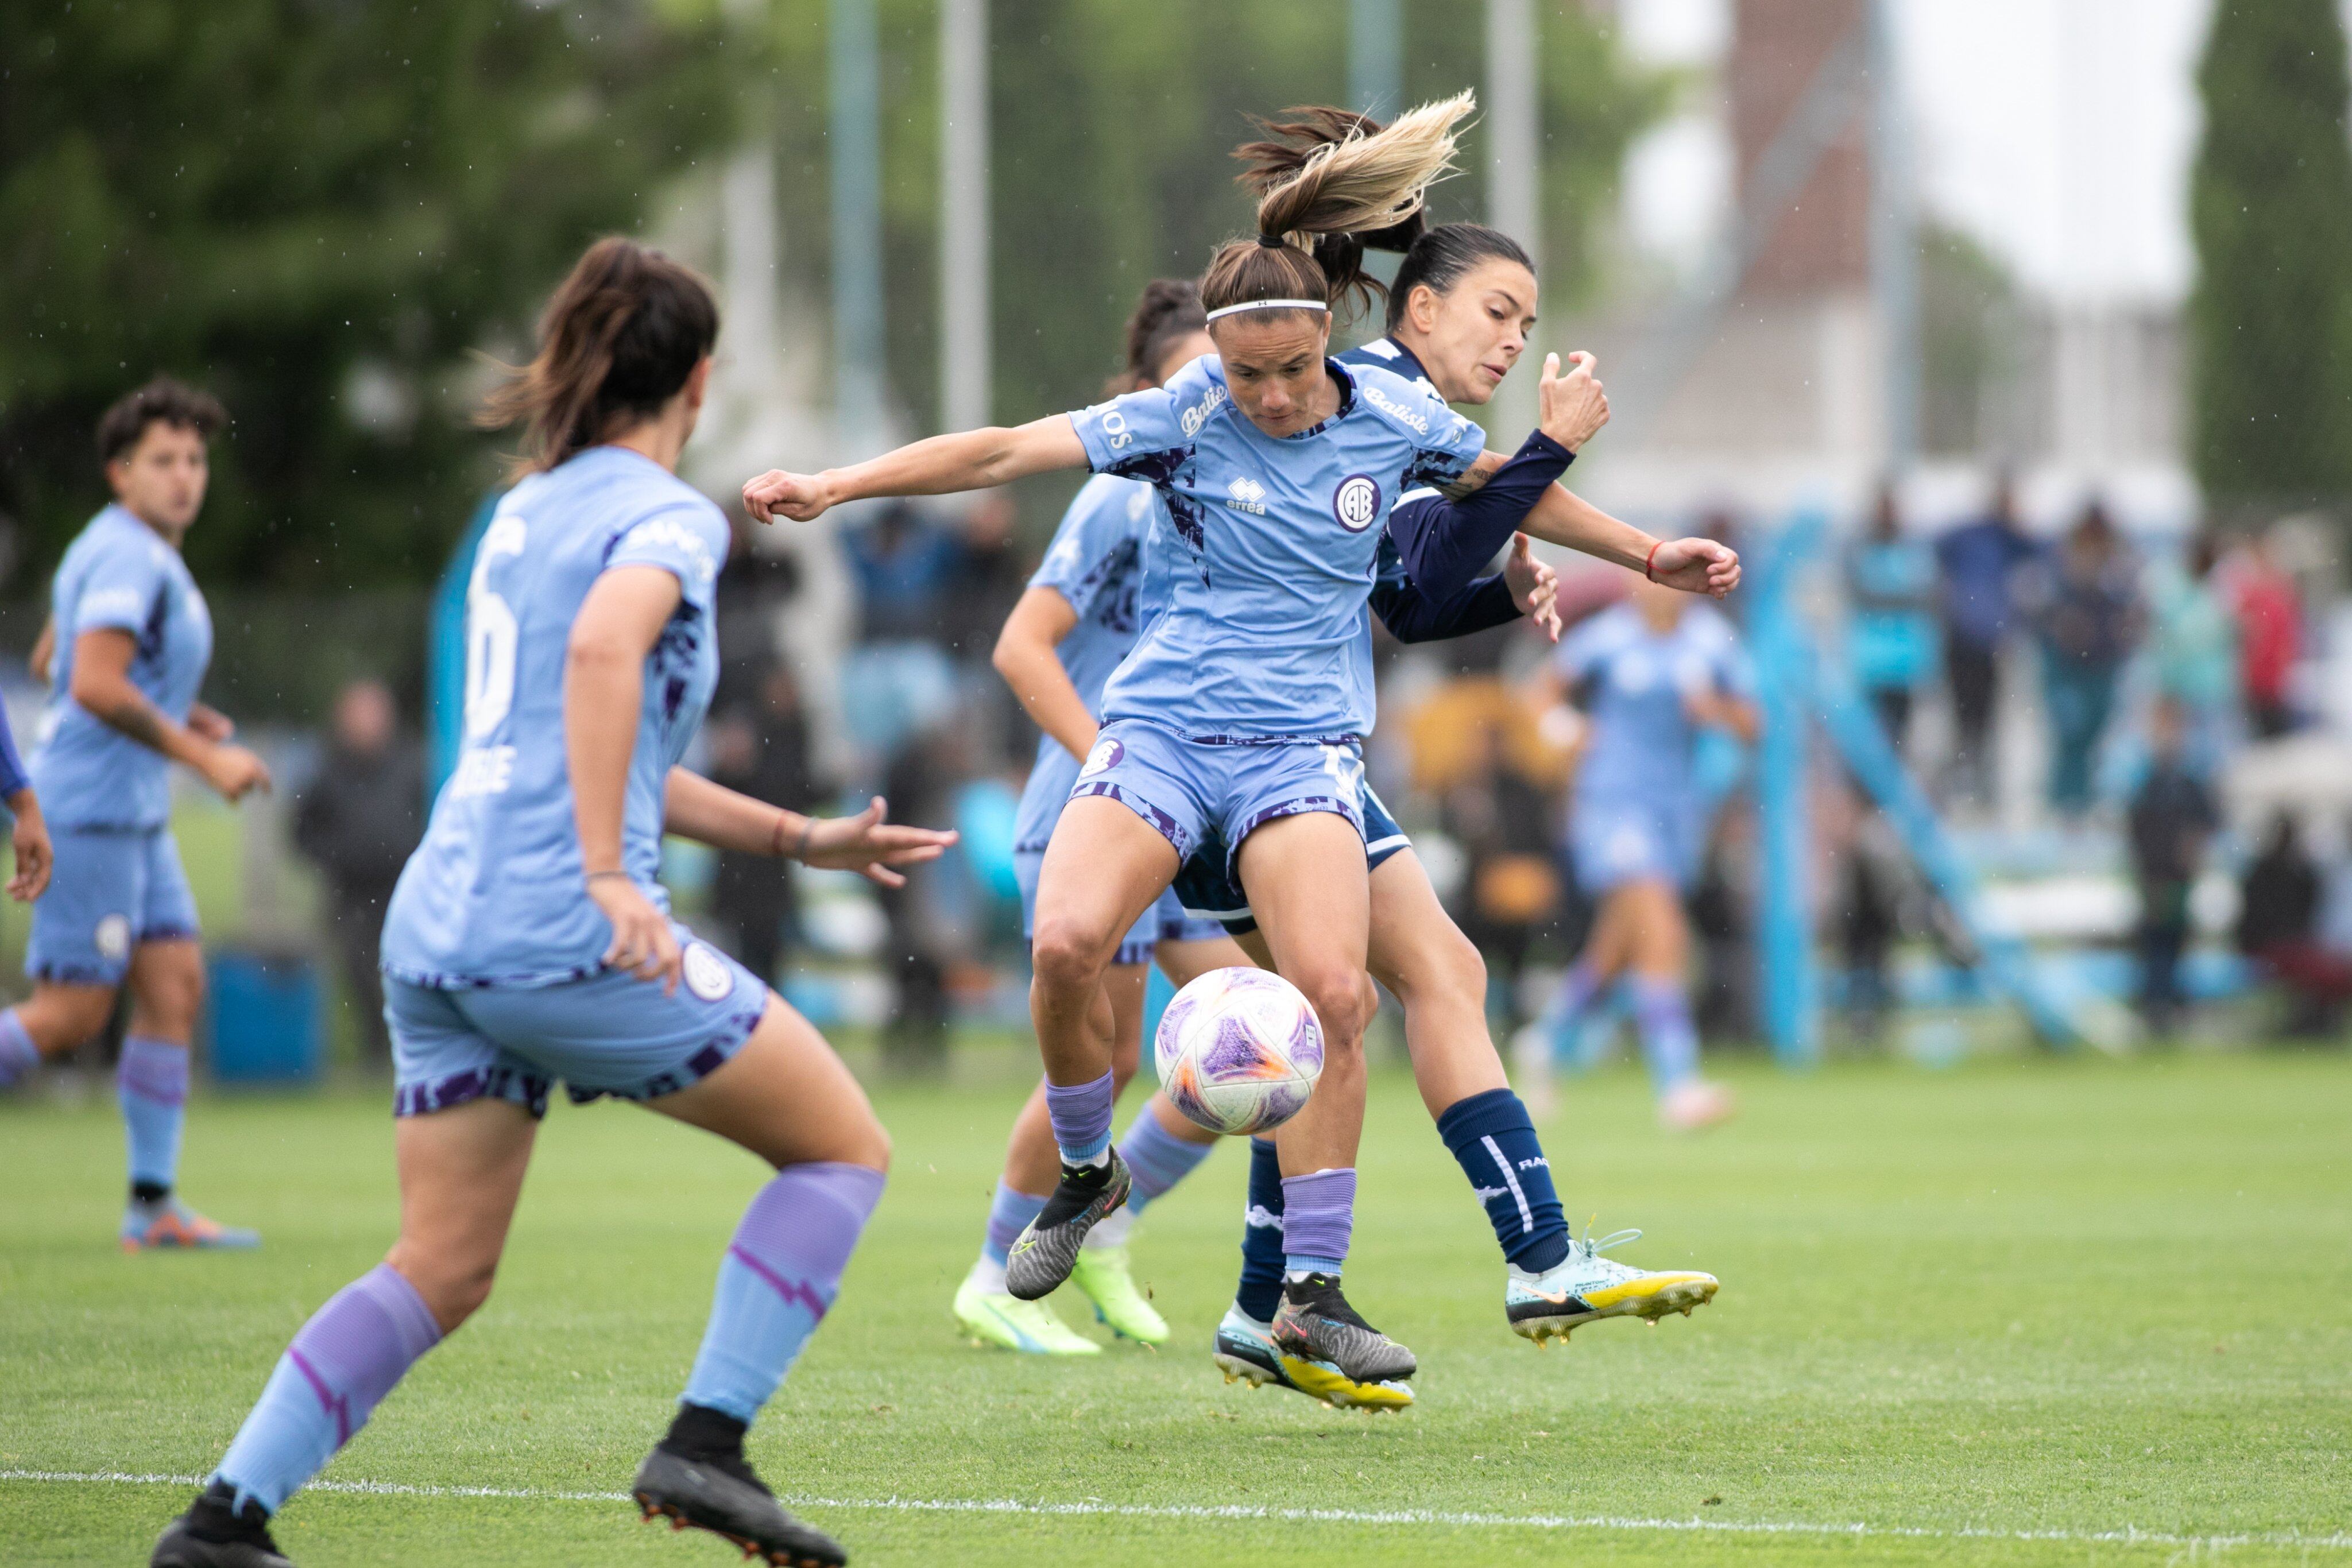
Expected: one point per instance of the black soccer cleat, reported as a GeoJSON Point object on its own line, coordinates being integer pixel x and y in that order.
{"type": "Point", "coordinates": [213, 1534]}
{"type": "Point", "coordinates": [1317, 1328]}
{"type": "Point", "coordinates": [1047, 1247]}
{"type": "Point", "coordinates": [712, 1491]}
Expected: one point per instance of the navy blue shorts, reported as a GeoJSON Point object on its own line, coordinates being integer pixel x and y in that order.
{"type": "Point", "coordinates": [1209, 888]}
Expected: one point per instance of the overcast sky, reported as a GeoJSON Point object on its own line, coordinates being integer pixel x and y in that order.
{"type": "Point", "coordinates": [2057, 132]}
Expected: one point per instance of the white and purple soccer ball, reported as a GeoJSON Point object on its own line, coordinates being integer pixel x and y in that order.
{"type": "Point", "coordinates": [1239, 1051]}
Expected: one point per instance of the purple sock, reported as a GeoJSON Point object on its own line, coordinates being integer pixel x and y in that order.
{"type": "Point", "coordinates": [1081, 1115]}
{"type": "Point", "coordinates": [19, 1054]}
{"type": "Point", "coordinates": [338, 1369]}
{"type": "Point", "coordinates": [1319, 1212]}
{"type": "Point", "coordinates": [1008, 1216]}
{"type": "Point", "coordinates": [151, 1084]}
{"type": "Point", "coordinates": [1669, 1042]}
{"type": "Point", "coordinates": [1157, 1157]}
{"type": "Point", "coordinates": [778, 1281]}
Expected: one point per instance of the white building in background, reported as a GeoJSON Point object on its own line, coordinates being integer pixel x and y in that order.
{"type": "Point", "coordinates": [2057, 133]}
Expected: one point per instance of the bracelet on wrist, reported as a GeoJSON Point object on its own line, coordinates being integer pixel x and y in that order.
{"type": "Point", "coordinates": [594, 875]}
{"type": "Point", "coordinates": [1650, 563]}
{"type": "Point", "coordinates": [808, 830]}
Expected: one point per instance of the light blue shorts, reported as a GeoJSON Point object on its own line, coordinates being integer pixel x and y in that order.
{"type": "Point", "coordinates": [1620, 840]}
{"type": "Point", "coordinates": [1165, 920]}
{"type": "Point", "coordinates": [610, 1033]}
{"type": "Point", "coordinates": [111, 891]}
{"type": "Point", "coordinates": [1209, 885]}
{"type": "Point", "coordinates": [1196, 792]}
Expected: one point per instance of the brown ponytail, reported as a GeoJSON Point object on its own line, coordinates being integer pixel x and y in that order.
{"type": "Point", "coordinates": [1169, 312]}
{"type": "Point", "coordinates": [1342, 180]}
{"type": "Point", "coordinates": [616, 341]}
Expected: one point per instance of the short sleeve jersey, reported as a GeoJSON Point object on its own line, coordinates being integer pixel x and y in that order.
{"type": "Point", "coordinates": [118, 575]}
{"type": "Point", "coordinates": [1263, 569]}
{"type": "Point", "coordinates": [1095, 562]}
{"type": "Point", "coordinates": [1636, 681]}
{"type": "Point", "coordinates": [495, 894]}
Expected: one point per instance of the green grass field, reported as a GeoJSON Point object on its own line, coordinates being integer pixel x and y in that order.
{"type": "Point", "coordinates": [2028, 1312]}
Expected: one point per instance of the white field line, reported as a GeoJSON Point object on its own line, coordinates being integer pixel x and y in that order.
{"type": "Point", "coordinates": [2126, 1536]}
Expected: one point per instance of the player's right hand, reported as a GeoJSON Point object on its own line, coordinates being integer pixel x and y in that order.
{"type": "Point", "coordinates": [800, 497]}
{"type": "Point", "coordinates": [643, 942]}
{"type": "Point", "coordinates": [33, 856]}
{"type": "Point", "coordinates": [1573, 407]}
{"type": "Point", "coordinates": [234, 772]}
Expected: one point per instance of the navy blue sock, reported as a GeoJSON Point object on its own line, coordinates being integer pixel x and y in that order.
{"type": "Point", "coordinates": [1260, 1294]}
{"type": "Point", "coordinates": [1496, 1144]}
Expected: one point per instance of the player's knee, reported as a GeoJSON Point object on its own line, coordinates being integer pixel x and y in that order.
{"type": "Point", "coordinates": [1067, 956]}
{"type": "Point", "coordinates": [61, 1020]}
{"type": "Point", "coordinates": [1337, 995]}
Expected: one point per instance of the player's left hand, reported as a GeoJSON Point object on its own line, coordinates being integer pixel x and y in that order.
{"type": "Point", "coordinates": [803, 497]}
{"type": "Point", "coordinates": [210, 723]}
{"type": "Point", "coordinates": [1696, 566]}
{"type": "Point", "coordinates": [869, 843]}
{"type": "Point", "coordinates": [34, 857]}
{"type": "Point", "coordinates": [1535, 587]}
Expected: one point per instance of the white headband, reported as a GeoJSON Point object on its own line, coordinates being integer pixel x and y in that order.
{"type": "Point", "coordinates": [1269, 305]}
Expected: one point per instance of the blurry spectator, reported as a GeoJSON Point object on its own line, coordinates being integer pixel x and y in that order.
{"type": "Point", "coordinates": [763, 751]}
{"type": "Point", "coordinates": [2172, 817]}
{"type": "Point", "coordinates": [1502, 819]}
{"type": "Point", "coordinates": [1891, 584]}
{"type": "Point", "coordinates": [989, 577]}
{"type": "Point", "coordinates": [1870, 919]}
{"type": "Point", "coordinates": [360, 815]}
{"type": "Point", "coordinates": [2278, 901]}
{"type": "Point", "coordinates": [904, 563]}
{"type": "Point", "coordinates": [2270, 634]}
{"type": "Point", "coordinates": [2194, 641]}
{"type": "Point", "coordinates": [921, 787]}
{"type": "Point", "coordinates": [1980, 562]}
{"type": "Point", "coordinates": [753, 589]}
{"type": "Point", "coordinates": [2089, 619]}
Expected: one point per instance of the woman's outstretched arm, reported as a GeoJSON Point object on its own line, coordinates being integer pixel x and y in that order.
{"type": "Point", "coordinates": [942, 464]}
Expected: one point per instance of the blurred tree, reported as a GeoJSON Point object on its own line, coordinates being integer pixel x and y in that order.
{"type": "Point", "coordinates": [1114, 126]}
{"type": "Point", "coordinates": [313, 209]}
{"type": "Point", "coordinates": [2270, 208]}
{"type": "Point", "coordinates": [1968, 354]}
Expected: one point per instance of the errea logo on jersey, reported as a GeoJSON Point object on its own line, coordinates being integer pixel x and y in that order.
{"type": "Point", "coordinates": [1403, 415]}
{"type": "Point", "coordinates": [1198, 415]}
{"type": "Point", "coordinates": [1247, 496]}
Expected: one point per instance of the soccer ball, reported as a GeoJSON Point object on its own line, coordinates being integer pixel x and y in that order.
{"type": "Point", "coordinates": [1239, 1051]}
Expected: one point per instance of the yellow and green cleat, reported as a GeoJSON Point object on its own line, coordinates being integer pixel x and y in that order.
{"type": "Point", "coordinates": [1102, 1273]}
{"type": "Point", "coordinates": [998, 1317]}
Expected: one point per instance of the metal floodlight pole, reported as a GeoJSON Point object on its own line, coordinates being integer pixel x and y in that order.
{"type": "Point", "coordinates": [1893, 243]}
{"type": "Point", "coordinates": [965, 253]}
{"type": "Point", "coordinates": [1376, 55]}
{"type": "Point", "coordinates": [856, 155]}
{"type": "Point", "coordinates": [1514, 171]}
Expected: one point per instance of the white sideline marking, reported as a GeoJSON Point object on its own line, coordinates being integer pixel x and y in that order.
{"type": "Point", "coordinates": [2126, 1536]}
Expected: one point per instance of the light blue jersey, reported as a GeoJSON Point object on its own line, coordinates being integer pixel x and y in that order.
{"type": "Point", "coordinates": [1268, 555]}
{"type": "Point", "coordinates": [1637, 680]}
{"type": "Point", "coordinates": [1639, 813]}
{"type": "Point", "coordinates": [118, 575]}
{"type": "Point", "coordinates": [494, 894]}
{"type": "Point", "coordinates": [1095, 562]}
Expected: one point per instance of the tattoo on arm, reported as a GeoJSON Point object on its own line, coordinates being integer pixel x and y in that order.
{"type": "Point", "coordinates": [135, 716]}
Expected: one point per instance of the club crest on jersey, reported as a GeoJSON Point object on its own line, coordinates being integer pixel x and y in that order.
{"type": "Point", "coordinates": [113, 937]}
{"type": "Point", "coordinates": [1247, 495]}
{"type": "Point", "coordinates": [1357, 502]}
{"type": "Point", "coordinates": [1106, 755]}
{"type": "Point", "coordinates": [707, 974]}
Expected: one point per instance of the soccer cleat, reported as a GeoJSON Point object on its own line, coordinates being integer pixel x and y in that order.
{"type": "Point", "coordinates": [213, 1535]}
{"type": "Point", "coordinates": [168, 1222]}
{"type": "Point", "coordinates": [719, 1493]}
{"type": "Point", "coordinates": [1102, 1273]}
{"type": "Point", "coordinates": [1696, 1104]}
{"type": "Point", "coordinates": [1585, 1286]}
{"type": "Point", "coordinates": [1244, 1350]}
{"type": "Point", "coordinates": [1047, 1247]}
{"type": "Point", "coordinates": [1029, 1327]}
{"type": "Point", "coordinates": [1331, 1352]}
